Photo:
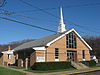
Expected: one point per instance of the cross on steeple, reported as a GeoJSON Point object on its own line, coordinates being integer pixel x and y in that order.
{"type": "Point", "coordinates": [61, 27]}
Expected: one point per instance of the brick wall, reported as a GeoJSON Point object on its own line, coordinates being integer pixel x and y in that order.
{"type": "Point", "coordinates": [32, 58]}
{"type": "Point", "coordinates": [61, 44]}
{"type": "Point", "coordinates": [49, 53]}
{"type": "Point", "coordinates": [1, 59]}
{"type": "Point", "coordinates": [6, 60]}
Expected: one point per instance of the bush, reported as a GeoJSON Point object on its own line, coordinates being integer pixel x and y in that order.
{"type": "Point", "coordinates": [89, 63]}
{"type": "Point", "coordinates": [51, 65]}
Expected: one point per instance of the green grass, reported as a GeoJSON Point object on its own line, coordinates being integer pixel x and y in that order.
{"type": "Point", "coordinates": [16, 67]}
{"type": "Point", "coordinates": [94, 66]}
{"type": "Point", "coordinates": [49, 71]}
{"type": "Point", "coordinates": [5, 71]}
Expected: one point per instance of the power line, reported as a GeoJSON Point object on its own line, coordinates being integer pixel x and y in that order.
{"type": "Point", "coordinates": [13, 13]}
{"type": "Point", "coordinates": [43, 10]}
{"type": "Point", "coordinates": [2, 3]}
{"type": "Point", "coordinates": [10, 13]}
{"type": "Point", "coordinates": [87, 29]}
{"type": "Point", "coordinates": [33, 25]}
{"type": "Point", "coordinates": [27, 3]}
{"type": "Point", "coordinates": [86, 33]}
{"type": "Point", "coordinates": [28, 24]}
{"type": "Point", "coordinates": [6, 12]}
{"type": "Point", "coordinates": [68, 6]}
{"type": "Point", "coordinates": [80, 5]}
{"type": "Point", "coordinates": [39, 9]}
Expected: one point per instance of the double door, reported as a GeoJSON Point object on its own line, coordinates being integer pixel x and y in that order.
{"type": "Point", "coordinates": [71, 55]}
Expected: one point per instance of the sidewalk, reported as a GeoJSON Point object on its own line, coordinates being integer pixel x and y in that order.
{"type": "Point", "coordinates": [53, 73]}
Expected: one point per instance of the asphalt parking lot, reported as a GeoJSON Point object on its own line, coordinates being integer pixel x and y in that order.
{"type": "Point", "coordinates": [97, 72]}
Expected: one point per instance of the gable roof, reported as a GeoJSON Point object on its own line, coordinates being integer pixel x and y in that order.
{"type": "Point", "coordinates": [67, 33]}
{"type": "Point", "coordinates": [47, 41]}
{"type": "Point", "coordinates": [37, 43]}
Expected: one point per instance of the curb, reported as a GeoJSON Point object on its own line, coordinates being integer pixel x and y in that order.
{"type": "Point", "coordinates": [81, 72]}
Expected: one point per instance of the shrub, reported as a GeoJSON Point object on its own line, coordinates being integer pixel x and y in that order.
{"type": "Point", "coordinates": [89, 63]}
{"type": "Point", "coordinates": [51, 65]}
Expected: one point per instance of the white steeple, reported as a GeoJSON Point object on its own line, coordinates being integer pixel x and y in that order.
{"type": "Point", "coordinates": [61, 27]}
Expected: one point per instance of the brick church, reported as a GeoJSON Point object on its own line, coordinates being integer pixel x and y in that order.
{"type": "Point", "coordinates": [66, 45]}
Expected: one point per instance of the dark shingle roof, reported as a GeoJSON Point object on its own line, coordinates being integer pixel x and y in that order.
{"type": "Point", "coordinates": [37, 43]}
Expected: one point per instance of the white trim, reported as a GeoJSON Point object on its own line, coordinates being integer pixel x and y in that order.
{"type": "Point", "coordinates": [48, 44]}
{"type": "Point", "coordinates": [40, 59]}
{"type": "Point", "coordinates": [56, 59]}
{"type": "Point", "coordinates": [84, 59]}
{"type": "Point", "coordinates": [82, 40]}
{"type": "Point", "coordinates": [8, 52]}
{"type": "Point", "coordinates": [39, 48]}
{"type": "Point", "coordinates": [58, 38]}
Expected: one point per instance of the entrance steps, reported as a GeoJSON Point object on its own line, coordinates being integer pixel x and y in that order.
{"type": "Point", "coordinates": [78, 65]}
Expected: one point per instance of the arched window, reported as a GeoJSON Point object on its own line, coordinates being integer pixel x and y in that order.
{"type": "Point", "coordinates": [71, 40]}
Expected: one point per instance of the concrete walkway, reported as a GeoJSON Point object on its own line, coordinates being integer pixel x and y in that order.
{"type": "Point", "coordinates": [53, 73]}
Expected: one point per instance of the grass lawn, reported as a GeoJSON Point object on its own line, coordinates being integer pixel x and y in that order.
{"type": "Point", "coordinates": [94, 66]}
{"type": "Point", "coordinates": [16, 67]}
{"type": "Point", "coordinates": [5, 71]}
{"type": "Point", "coordinates": [38, 71]}
{"type": "Point", "coordinates": [49, 71]}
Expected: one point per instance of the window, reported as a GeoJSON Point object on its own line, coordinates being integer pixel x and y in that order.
{"type": "Point", "coordinates": [71, 40]}
{"type": "Point", "coordinates": [56, 53]}
{"type": "Point", "coordinates": [83, 52]}
{"type": "Point", "coordinates": [9, 56]}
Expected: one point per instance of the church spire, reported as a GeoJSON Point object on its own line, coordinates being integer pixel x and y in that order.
{"type": "Point", "coordinates": [61, 27]}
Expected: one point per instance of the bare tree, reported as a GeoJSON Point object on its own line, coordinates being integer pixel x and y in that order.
{"type": "Point", "coordinates": [2, 3]}
{"type": "Point", "coordinates": [94, 42]}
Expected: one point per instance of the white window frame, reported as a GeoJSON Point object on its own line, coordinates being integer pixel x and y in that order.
{"type": "Point", "coordinates": [38, 59]}
{"type": "Point", "coordinates": [57, 59]}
